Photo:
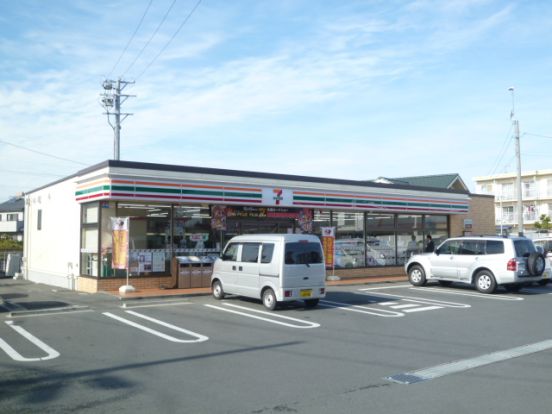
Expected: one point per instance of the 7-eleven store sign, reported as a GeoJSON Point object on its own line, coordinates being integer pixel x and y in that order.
{"type": "Point", "coordinates": [277, 197]}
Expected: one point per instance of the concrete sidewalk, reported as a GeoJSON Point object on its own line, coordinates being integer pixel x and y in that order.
{"type": "Point", "coordinates": [162, 293]}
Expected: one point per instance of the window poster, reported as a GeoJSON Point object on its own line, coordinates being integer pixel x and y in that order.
{"type": "Point", "coordinates": [158, 261]}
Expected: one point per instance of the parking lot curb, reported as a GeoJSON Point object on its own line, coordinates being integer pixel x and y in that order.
{"type": "Point", "coordinates": [29, 312]}
{"type": "Point", "coordinates": [175, 296]}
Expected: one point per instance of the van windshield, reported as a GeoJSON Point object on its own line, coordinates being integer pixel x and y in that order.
{"type": "Point", "coordinates": [303, 253]}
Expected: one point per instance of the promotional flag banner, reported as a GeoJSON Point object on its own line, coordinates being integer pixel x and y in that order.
{"type": "Point", "coordinates": [119, 227]}
{"type": "Point", "coordinates": [328, 243]}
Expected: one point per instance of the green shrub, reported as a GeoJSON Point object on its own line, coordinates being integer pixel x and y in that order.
{"type": "Point", "coordinates": [7, 244]}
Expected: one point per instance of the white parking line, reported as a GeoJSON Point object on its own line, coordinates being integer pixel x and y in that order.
{"type": "Point", "coordinates": [388, 287]}
{"type": "Point", "coordinates": [424, 301]}
{"type": "Point", "coordinates": [466, 364]}
{"type": "Point", "coordinates": [472, 294]}
{"type": "Point", "coordinates": [155, 304]}
{"type": "Point", "coordinates": [50, 352]}
{"type": "Point", "coordinates": [361, 309]}
{"type": "Point", "coordinates": [405, 306]}
{"type": "Point", "coordinates": [199, 337]}
{"type": "Point", "coordinates": [304, 324]}
{"type": "Point", "coordinates": [422, 309]}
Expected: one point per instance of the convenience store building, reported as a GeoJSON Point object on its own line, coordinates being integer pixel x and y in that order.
{"type": "Point", "coordinates": [181, 211]}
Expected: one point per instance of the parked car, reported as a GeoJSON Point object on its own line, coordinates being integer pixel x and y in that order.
{"type": "Point", "coordinates": [486, 262]}
{"type": "Point", "coordinates": [546, 244]}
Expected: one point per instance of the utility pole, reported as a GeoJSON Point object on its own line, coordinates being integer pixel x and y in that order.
{"type": "Point", "coordinates": [111, 98]}
{"type": "Point", "coordinates": [515, 123]}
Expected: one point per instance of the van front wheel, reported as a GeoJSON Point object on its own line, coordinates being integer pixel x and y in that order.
{"type": "Point", "coordinates": [218, 292]}
{"type": "Point", "coordinates": [269, 299]}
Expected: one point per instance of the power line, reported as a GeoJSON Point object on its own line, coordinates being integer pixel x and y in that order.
{"type": "Point", "coordinates": [171, 39]}
{"type": "Point", "coordinates": [41, 153]}
{"type": "Point", "coordinates": [30, 173]}
{"type": "Point", "coordinates": [150, 39]}
{"type": "Point", "coordinates": [505, 146]}
{"type": "Point", "coordinates": [131, 38]}
{"type": "Point", "coordinates": [538, 135]}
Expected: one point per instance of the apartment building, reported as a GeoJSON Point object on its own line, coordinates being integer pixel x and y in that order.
{"type": "Point", "coordinates": [536, 187]}
{"type": "Point", "coordinates": [11, 218]}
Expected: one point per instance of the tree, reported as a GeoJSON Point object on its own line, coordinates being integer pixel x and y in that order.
{"type": "Point", "coordinates": [543, 224]}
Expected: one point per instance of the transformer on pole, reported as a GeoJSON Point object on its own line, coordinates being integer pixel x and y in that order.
{"type": "Point", "coordinates": [111, 101]}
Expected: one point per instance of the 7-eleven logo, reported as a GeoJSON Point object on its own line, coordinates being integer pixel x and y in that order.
{"type": "Point", "coordinates": [277, 195]}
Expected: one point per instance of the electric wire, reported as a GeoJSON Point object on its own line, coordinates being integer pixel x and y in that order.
{"type": "Point", "coordinates": [149, 40]}
{"type": "Point", "coordinates": [131, 38]}
{"type": "Point", "coordinates": [538, 135]}
{"type": "Point", "coordinates": [171, 39]}
{"type": "Point", "coordinates": [41, 153]}
{"type": "Point", "coordinates": [31, 173]}
{"type": "Point", "coordinates": [502, 152]}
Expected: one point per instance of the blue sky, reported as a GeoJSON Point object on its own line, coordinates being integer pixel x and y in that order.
{"type": "Point", "coordinates": [341, 89]}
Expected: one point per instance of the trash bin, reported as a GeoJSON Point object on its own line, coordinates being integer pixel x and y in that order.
{"type": "Point", "coordinates": [183, 272]}
{"type": "Point", "coordinates": [195, 271]}
{"type": "Point", "coordinates": [207, 269]}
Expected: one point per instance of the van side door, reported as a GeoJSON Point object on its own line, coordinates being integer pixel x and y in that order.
{"type": "Point", "coordinates": [248, 270]}
{"type": "Point", "coordinates": [269, 266]}
{"type": "Point", "coordinates": [227, 267]}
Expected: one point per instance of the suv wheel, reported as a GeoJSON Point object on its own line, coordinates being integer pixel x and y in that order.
{"type": "Point", "coordinates": [416, 275]}
{"type": "Point", "coordinates": [485, 282]}
{"type": "Point", "coordinates": [536, 264]}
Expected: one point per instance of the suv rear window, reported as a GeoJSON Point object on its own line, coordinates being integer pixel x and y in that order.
{"type": "Point", "coordinates": [303, 253]}
{"type": "Point", "coordinates": [524, 248]}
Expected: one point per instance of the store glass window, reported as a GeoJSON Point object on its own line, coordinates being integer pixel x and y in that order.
{"type": "Point", "coordinates": [380, 240]}
{"type": "Point", "coordinates": [321, 218]}
{"type": "Point", "coordinates": [436, 227]}
{"type": "Point", "coordinates": [89, 253]}
{"type": "Point", "coordinates": [192, 231]}
{"type": "Point", "coordinates": [149, 238]}
{"type": "Point", "coordinates": [349, 240]}
{"type": "Point", "coordinates": [410, 237]}
{"type": "Point", "coordinates": [108, 210]}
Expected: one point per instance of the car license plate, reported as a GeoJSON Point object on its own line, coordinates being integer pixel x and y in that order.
{"type": "Point", "coordinates": [305, 293]}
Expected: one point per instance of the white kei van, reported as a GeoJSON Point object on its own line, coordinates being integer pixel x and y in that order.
{"type": "Point", "coordinates": [271, 267]}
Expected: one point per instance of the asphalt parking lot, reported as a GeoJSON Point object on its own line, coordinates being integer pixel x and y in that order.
{"type": "Point", "coordinates": [366, 348]}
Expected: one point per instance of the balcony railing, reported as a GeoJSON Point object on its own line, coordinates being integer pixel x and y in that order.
{"type": "Point", "coordinates": [512, 218]}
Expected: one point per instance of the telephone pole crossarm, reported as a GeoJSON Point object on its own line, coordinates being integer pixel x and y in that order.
{"type": "Point", "coordinates": [111, 98]}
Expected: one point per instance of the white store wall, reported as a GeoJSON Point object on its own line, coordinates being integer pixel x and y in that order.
{"type": "Point", "coordinates": [51, 255]}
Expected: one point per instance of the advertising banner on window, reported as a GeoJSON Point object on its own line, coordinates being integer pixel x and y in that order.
{"type": "Point", "coordinates": [119, 227]}
{"type": "Point", "coordinates": [328, 243]}
{"type": "Point", "coordinates": [218, 217]}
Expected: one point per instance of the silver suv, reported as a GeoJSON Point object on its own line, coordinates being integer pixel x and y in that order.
{"type": "Point", "coordinates": [486, 262]}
